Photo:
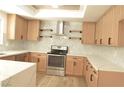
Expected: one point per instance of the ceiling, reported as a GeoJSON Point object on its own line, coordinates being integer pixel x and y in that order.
{"type": "Point", "coordinates": [65, 7]}
{"type": "Point", "coordinates": [94, 12]}
{"type": "Point", "coordinates": [62, 12]}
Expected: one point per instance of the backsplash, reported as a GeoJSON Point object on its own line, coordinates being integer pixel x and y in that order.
{"type": "Point", "coordinates": [45, 43]}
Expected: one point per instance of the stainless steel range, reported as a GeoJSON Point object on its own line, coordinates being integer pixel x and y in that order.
{"type": "Point", "coordinates": [56, 60]}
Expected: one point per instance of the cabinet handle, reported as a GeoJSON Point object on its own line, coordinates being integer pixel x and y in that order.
{"type": "Point", "coordinates": [96, 41]}
{"type": "Point", "coordinates": [94, 72]}
{"type": "Point", "coordinates": [38, 60]}
{"type": "Point", "coordinates": [91, 77]}
{"type": "Point", "coordinates": [21, 37]}
{"type": "Point", "coordinates": [74, 64]}
{"type": "Point", "coordinates": [100, 41]}
{"type": "Point", "coordinates": [87, 68]}
{"type": "Point", "coordinates": [74, 58]}
{"type": "Point", "coordinates": [109, 41]}
{"type": "Point", "coordinates": [91, 67]}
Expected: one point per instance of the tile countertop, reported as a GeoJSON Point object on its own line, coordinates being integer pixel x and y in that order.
{"type": "Point", "coordinates": [98, 62]}
{"type": "Point", "coordinates": [9, 68]}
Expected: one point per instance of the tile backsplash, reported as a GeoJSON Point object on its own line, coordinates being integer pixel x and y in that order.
{"type": "Point", "coordinates": [45, 43]}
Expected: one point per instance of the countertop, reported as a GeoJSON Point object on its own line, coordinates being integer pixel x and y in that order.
{"type": "Point", "coordinates": [12, 52]}
{"type": "Point", "coordinates": [9, 68]}
{"type": "Point", "coordinates": [98, 62]}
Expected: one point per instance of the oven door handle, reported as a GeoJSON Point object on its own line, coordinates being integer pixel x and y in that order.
{"type": "Point", "coordinates": [55, 55]}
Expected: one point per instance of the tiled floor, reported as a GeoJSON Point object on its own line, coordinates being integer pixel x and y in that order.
{"type": "Point", "coordinates": [44, 80]}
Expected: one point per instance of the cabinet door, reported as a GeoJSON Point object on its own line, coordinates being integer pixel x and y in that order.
{"type": "Point", "coordinates": [99, 28]}
{"type": "Point", "coordinates": [85, 67]}
{"type": "Point", "coordinates": [24, 30]}
{"type": "Point", "coordinates": [97, 33]}
{"type": "Point", "coordinates": [87, 76]}
{"type": "Point", "coordinates": [69, 66]}
{"type": "Point", "coordinates": [78, 67]}
{"type": "Point", "coordinates": [11, 21]}
{"type": "Point", "coordinates": [88, 32]}
{"type": "Point", "coordinates": [42, 63]}
{"type": "Point", "coordinates": [34, 59]}
{"type": "Point", "coordinates": [93, 77]}
{"type": "Point", "coordinates": [33, 29]}
{"type": "Point", "coordinates": [19, 28]}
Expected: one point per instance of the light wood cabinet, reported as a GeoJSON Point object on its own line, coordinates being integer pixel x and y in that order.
{"type": "Point", "coordinates": [102, 78]}
{"type": "Point", "coordinates": [22, 57]}
{"type": "Point", "coordinates": [40, 59]}
{"type": "Point", "coordinates": [109, 28]}
{"type": "Point", "coordinates": [17, 27]}
{"type": "Point", "coordinates": [74, 65]}
{"type": "Point", "coordinates": [92, 77]}
{"type": "Point", "coordinates": [110, 79]}
{"type": "Point", "coordinates": [88, 32]}
{"type": "Point", "coordinates": [33, 29]}
{"type": "Point", "coordinates": [8, 58]}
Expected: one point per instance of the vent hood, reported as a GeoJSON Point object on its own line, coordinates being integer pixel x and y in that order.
{"type": "Point", "coordinates": [60, 28]}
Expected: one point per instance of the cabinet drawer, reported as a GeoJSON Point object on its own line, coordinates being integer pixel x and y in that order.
{"type": "Point", "coordinates": [37, 54]}
{"type": "Point", "coordinates": [75, 57]}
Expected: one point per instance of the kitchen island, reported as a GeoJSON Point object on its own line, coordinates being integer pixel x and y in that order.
{"type": "Point", "coordinates": [17, 74]}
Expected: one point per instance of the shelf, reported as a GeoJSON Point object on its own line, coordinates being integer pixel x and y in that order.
{"type": "Point", "coordinates": [46, 30]}
{"type": "Point", "coordinates": [46, 36]}
{"type": "Point", "coordinates": [79, 31]}
{"type": "Point", "coordinates": [75, 38]}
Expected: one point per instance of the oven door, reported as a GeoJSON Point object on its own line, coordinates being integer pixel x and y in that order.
{"type": "Point", "coordinates": [56, 61]}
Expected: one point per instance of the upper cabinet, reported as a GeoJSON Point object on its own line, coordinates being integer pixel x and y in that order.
{"type": "Point", "coordinates": [88, 33]}
{"type": "Point", "coordinates": [17, 27]}
{"type": "Point", "coordinates": [109, 28]}
{"type": "Point", "coordinates": [22, 29]}
{"type": "Point", "coordinates": [33, 29]}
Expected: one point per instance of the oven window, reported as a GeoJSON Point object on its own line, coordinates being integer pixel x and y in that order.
{"type": "Point", "coordinates": [56, 61]}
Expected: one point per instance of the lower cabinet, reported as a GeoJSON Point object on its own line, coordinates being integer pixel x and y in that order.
{"type": "Point", "coordinates": [101, 78]}
{"type": "Point", "coordinates": [40, 59]}
{"type": "Point", "coordinates": [74, 65]}
{"type": "Point", "coordinates": [8, 58]}
{"type": "Point", "coordinates": [92, 77]}
{"type": "Point", "coordinates": [22, 57]}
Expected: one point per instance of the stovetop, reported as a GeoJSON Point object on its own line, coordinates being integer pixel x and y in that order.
{"type": "Point", "coordinates": [58, 50]}
{"type": "Point", "coordinates": [56, 53]}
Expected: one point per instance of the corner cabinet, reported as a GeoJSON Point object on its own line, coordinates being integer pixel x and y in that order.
{"type": "Point", "coordinates": [17, 27]}
{"type": "Point", "coordinates": [88, 35]}
{"type": "Point", "coordinates": [33, 30]}
{"type": "Point", "coordinates": [74, 65]}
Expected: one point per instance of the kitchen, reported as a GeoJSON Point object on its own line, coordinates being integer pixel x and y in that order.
{"type": "Point", "coordinates": [75, 51]}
